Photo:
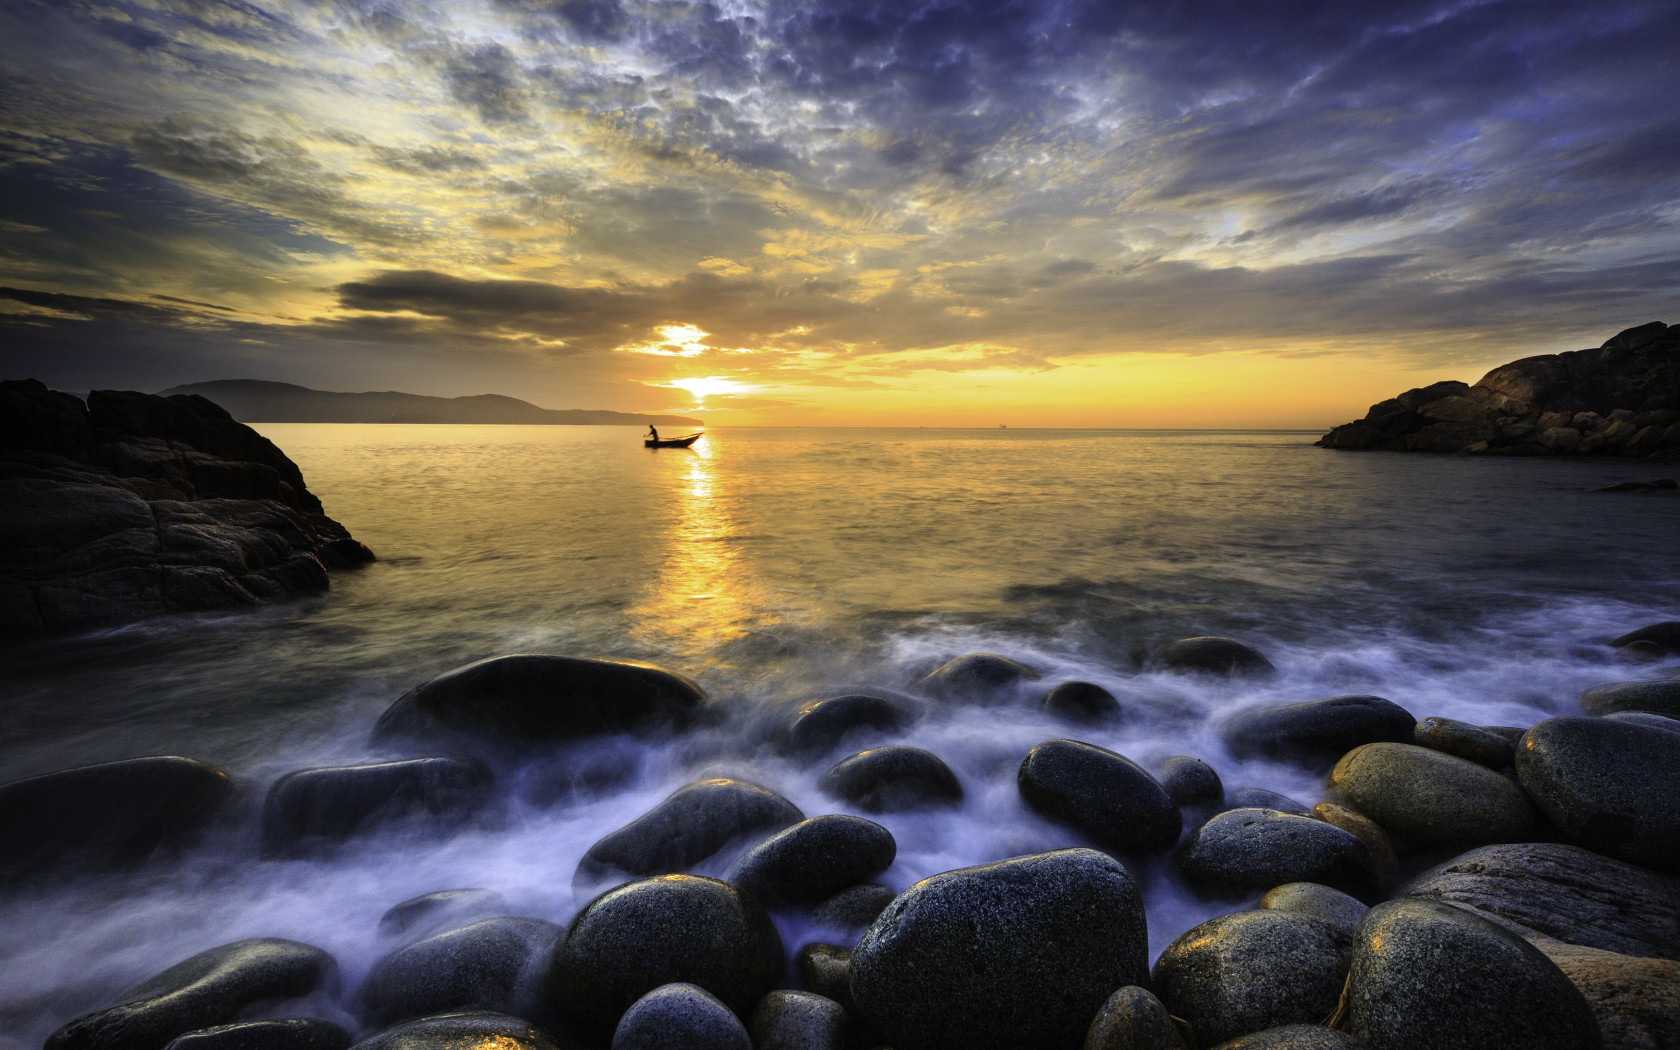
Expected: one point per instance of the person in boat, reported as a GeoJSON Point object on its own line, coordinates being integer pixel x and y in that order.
{"type": "Point", "coordinates": [654, 431]}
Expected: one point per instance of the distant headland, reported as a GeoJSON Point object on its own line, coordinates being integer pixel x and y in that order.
{"type": "Point", "coordinates": [261, 401]}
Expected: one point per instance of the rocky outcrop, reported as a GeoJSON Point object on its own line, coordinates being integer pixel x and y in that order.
{"type": "Point", "coordinates": [1621, 399]}
{"type": "Point", "coordinates": [132, 505]}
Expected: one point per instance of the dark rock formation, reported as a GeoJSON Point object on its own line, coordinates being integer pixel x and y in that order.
{"type": "Point", "coordinates": [1107, 796]}
{"type": "Point", "coordinates": [1469, 742]}
{"type": "Point", "coordinates": [313, 807]}
{"type": "Point", "coordinates": [826, 969]}
{"type": "Point", "coordinates": [1622, 399]}
{"type": "Point", "coordinates": [1430, 798]}
{"type": "Point", "coordinates": [472, 1028]}
{"type": "Point", "coordinates": [785, 1020]}
{"type": "Point", "coordinates": [1190, 781]}
{"type": "Point", "coordinates": [814, 860]}
{"type": "Point", "coordinates": [494, 964]}
{"type": "Point", "coordinates": [1213, 654]}
{"type": "Point", "coordinates": [295, 1033]}
{"type": "Point", "coordinates": [977, 676]}
{"type": "Point", "coordinates": [856, 907]}
{"type": "Point", "coordinates": [1321, 902]}
{"type": "Point", "coordinates": [1133, 1019]}
{"type": "Point", "coordinates": [134, 505]}
{"type": "Point", "coordinates": [821, 724]}
{"type": "Point", "coordinates": [1610, 786]}
{"type": "Point", "coordinates": [693, 823]}
{"type": "Point", "coordinates": [680, 1015]}
{"type": "Point", "coordinates": [430, 912]}
{"type": "Point", "coordinates": [1082, 702]}
{"type": "Point", "coordinates": [1294, 1037]}
{"type": "Point", "coordinates": [1661, 697]}
{"type": "Point", "coordinates": [893, 778]}
{"type": "Point", "coordinates": [1244, 850]}
{"type": "Point", "coordinates": [1317, 729]}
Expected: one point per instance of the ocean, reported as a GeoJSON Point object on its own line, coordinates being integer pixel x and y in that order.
{"type": "Point", "coordinates": [777, 566]}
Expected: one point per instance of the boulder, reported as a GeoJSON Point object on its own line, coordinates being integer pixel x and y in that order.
{"type": "Point", "coordinates": [207, 990]}
{"type": "Point", "coordinates": [1248, 797]}
{"type": "Point", "coordinates": [680, 1016]}
{"type": "Point", "coordinates": [1469, 742]}
{"type": "Point", "coordinates": [106, 815]}
{"type": "Point", "coordinates": [1368, 832]}
{"type": "Point", "coordinates": [526, 699]}
{"type": "Point", "coordinates": [1660, 697]}
{"type": "Point", "coordinates": [820, 725]}
{"type": "Point", "coordinates": [1665, 634]}
{"type": "Point", "coordinates": [694, 822]}
{"type": "Point", "coordinates": [1242, 851]}
{"type": "Point", "coordinates": [1321, 902]}
{"type": "Point", "coordinates": [1610, 786]}
{"type": "Point", "coordinates": [1662, 723]}
{"type": "Point", "coordinates": [1252, 970]}
{"type": "Point", "coordinates": [476, 1029]}
{"type": "Point", "coordinates": [1428, 798]}
{"type": "Point", "coordinates": [826, 970]}
{"type": "Point", "coordinates": [1317, 729]}
{"type": "Point", "coordinates": [1016, 954]}
{"type": "Point", "coordinates": [977, 676]}
{"type": "Point", "coordinates": [854, 908]}
{"type": "Point", "coordinates": [814, 860]}
{"type": "Point", "coordinates": [1104, 795]}
{"type": "Point", "coordinates": [1212, 654]}
{"type": "Point", "coordinates": [1190, 781]}
{"type": "Point", "coordinates": [311, 807]}
{"type": "Point", "coordinates": [785, 1020]}
{"type": "Point", "coordinates": [1563, 892]}
{"type": "Point", "coordinates": [1427, 976]}
{"type": "Point", "coordinates": [431, 912]}
{"type": "Point", "coordinates": [1082, 702]}
{"type": "Point", "coordinates": [676, 928]}
{"type": "Point", "coordinates": [1635, 1001]}
{"type": "Point", "coordinates": [1133, 1019]}
{"type": "Point", "coordinates": [494, 964]}
{"type": "Point", "coordinates": [1294, 1037]}
{"type": "Point", "coordinates": [296, 1033]}
{"type": "Point", "coordinates": [892, 778]}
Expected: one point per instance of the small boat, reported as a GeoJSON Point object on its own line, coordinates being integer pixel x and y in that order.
{"type": "Point", "coordinates": [682, 442]}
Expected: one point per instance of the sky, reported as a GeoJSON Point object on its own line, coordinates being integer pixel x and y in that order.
{"type": "Point", "coordinates": [1058, 213]}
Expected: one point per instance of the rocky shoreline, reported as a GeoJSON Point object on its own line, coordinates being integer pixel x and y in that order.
{"type": "Point", "coordinates": [132, 505]}
{"type": "Point", "coordinates": [1457, 885]}
{"type": "Point", "coordinates": [1620, 399]}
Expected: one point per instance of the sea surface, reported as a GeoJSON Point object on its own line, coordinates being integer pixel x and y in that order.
{"type": "Point", "coordinates": [780, 566]}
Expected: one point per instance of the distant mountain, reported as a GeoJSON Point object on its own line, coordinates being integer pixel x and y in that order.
{"type": "Point", "coordinates": [259, 401]}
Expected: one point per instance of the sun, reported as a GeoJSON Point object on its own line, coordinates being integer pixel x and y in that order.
{"type": "Point", "coordinates": [702, 387]}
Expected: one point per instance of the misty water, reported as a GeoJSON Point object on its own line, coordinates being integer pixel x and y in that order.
{"type": "Point", "coordinates": [779, 566]}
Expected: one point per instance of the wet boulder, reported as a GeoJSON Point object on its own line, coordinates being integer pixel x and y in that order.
{"type": "Point", "coordinates": [1321, 902]}
{"type": "Point", "coordinates": [431, 912]}
{"type": "Point", "coordinates": [1317, 730]}
{"type": "Point", "coordinates": [1104, 795]}
{"type": "Point", "coordinates": [786, 1020]}
{"type": "Point", "coordinates": [1665, 634]}
{"type": "Point", "coordinates": [1469, 742]}
{"type": "Point", "coordinates": [1563, 892]}
{"type": "Point", "coordinates": [1609, 786]}
{"type": "Point", "coordinates": [855, 907]}
{"type": "Point", "coordinates": [814, 859]}
{"type": "Point", "coordinates": [312, 807]}
{"type": "Point", "coordinates": [1660, 697]}
{"type": "Point", "coordinates": [1294, 1037]}
{"type": "Point", "coordinates": [496, 964]}
{"type": "Point", "coordinates": [527, 699]}
{"type": "Point", "coordinates": [1019, 954]}
{"type": "Point", "coordinates": [1190, 781]}
{"type": "Point", "coordinates": [106, 815]}
{"type": "Point", "coordinates": [1367, 831]}
{"type": "Point", "coordinates": [1133, 1019]}
{"type": "Point", "coordinates": [1242, 851]}
{"type": "Point", "coordinates": [977, 676]}
{"type": "Point", "coordinates": [1082, 702]}
{"type": "Point", "coordinates": [1429, 977]}
{"type": "Point", "coordinates": [826, 970]}
{"type": "Point", "coordinates": [694, 822]}
{"type": "Point", "coordinates": [680, 1015]}
{"type": "Point", "coordinates": [475, 1028]}
{"type": "Point", "coordinates": [295, 1033]}
{"type": "Point", "coordinates": [1635, 1001]}
{"type": "Point", "coordinates": [207, 990]}
{"type": "Point", "coordinates": [1252, 970]}
{"type": "Point", "coordinates": [820, 725]}
{"type": "Point", "coordinates": [630, 940]}
{"type": "Point", "coordinates": [1428, 798]}
{"type": "Point", "coordinates": [1661, 723]}
{"type": "Point", "coordinates": [884, 779]}
{"type": "Point", "coordinates": [1212, 654]}
{"type": "Point", "coordinates": [1248, 797]}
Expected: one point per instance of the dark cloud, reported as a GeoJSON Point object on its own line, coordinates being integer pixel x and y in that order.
{"type": "Point", "coordinates": [487, 78]}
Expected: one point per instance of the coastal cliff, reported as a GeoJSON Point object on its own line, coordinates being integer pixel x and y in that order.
{"type": "Point", "coordinates": [1620, 399]}
{"type": "Point", "coordinates": [131, 505]}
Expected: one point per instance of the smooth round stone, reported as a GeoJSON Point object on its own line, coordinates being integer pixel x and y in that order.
{"type": "Point", "coordinates": [525, 699]}
{"type": "Point", "coordinates": [630, 940]}
{"type": "Point", "coordinates": [297, 1033]}
{"type": "Point", "coordinates": [1016, 955]}
{"type": "Point", "coordinates": [977, 676]}
{"type": "Point", "coordinates": [1665, 634]}
{"type": "Point", "coordinates": [1294, 1037]}
{"type": "Point", "coordinates": [892, 778]}
{"type": "Point", "coordinates": [854, 908]}
{"type": "Point", "coordinates": [1190, 781]}
{"type": "Point", "coordinates": [1365, 830]}
{"type": "Point", "coordinates": [1107, 796]}
{"type": "Point", "coordinates": [473, 1030]}
{"type": "Point", "coordinates": [786, 1020]}
{"type": "Point", "coordinates": [310, 807]}
{"type": "Point", "coordinates": [1636, 1001]}
{"type": "Point", "coordinates": [1429, 977]}
{"type": "Point", "coordinates": [1609, 786]}
{"type": "Point", "coordinates": [1469, 742]}
{"type": "Point", "coordinates": [826, 970]}
{"type": "Point", "coordinates": [1321, 902]}
{"type": "Point", "coordinates": [493, 964]}
{"type": "Point", "coordinates": [1509, 734]}
{"type": "Point", "coordinates": [207, 990]}
{"type": "Point", "coordinates": [1660, 698]}
{"type": "Point", "coordinates": [1317, 730]}
{"type": "Point", "coordinates": [1082, 702]}
{"type": "Point", "coordinates": [1432, 799]}
{"type": "Point", "coordinates": [1133, 1019]}
{"type": "Point", "coordinates": [1213, 654]}
{"type": "Point", "coordinates": [431, 912]}
{"type": "Point", "coordinates": [680, 1016]}
{"type": "Point", "coordinates": [814, 859]}
{"type": "Point", "coordinates": [1244, 850]}
{"type": "Point", "coordinates": [1247, 797]}
{"type": "Point", "coordinates": [1252, 970]}
{"type": "Point", "coordinates": [821, 724]}
{"type": "Point", "coordinates": [694, 822]}
{"type": "Point", "coordinates": [1662, 723]}
{"type": "Point", "coordinates": [107, 815]}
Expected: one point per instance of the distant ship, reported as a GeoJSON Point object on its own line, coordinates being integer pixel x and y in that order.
{"type": "Point", "coordinates": [1003, 426]}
